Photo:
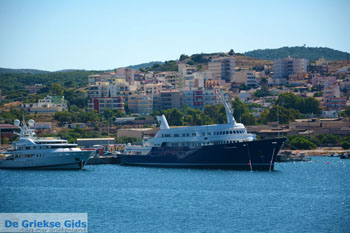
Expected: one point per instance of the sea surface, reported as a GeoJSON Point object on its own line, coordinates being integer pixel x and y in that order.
{"type": "Point", "coordinates": [296, 197]}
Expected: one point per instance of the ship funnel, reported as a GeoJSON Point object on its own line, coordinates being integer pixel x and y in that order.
{"type": "Point", "coordinates": [163, 122]}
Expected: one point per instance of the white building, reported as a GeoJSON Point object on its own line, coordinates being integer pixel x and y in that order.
{"type": "Point", "coordinates": [49, 104]}
{"type": "Point", "coordinates": [246, 77]}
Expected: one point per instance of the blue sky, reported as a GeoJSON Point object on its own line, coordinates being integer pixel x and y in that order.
{"type": "Point", "coordinates": [54, 35]}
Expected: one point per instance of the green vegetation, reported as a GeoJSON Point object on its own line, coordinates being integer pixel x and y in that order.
{"type": "Point", "coordinates": [311, 53]}
{"type": "Point", "coordinates": [307, 142]}
{"type": "Point", "coordinates": [13, 84]}
{"type": "Point", "coordinates": [345, 145]}
{"type": "Point", "coordinates": [144, 66]}
{"type": "Point", "coordinates": [346, 112]}
{"type": "Point", "coordinates": [77, 115]}
{"type": "Point", "coordinates": [303, 105]}
{"type": "Point", "coordinates": [284, 115]}
{"type": "Point", "coordinates": [263, 92]}
{"type": "Point", "coordinates": [13, 114]}
{"type": "Point", "coordinates": [166, 66]}
{"type": "Point", "coordinates": [302, 143]}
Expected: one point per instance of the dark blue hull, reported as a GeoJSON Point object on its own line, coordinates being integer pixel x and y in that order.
{"type": "Point", "coordinates": [255, 155]}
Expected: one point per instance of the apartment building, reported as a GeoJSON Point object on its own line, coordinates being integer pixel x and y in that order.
{"type": "Point", "coordinates": [199, 98]}
{"type": "Point", "coordinates": [185, 69]}
{"type": "Point", "coordinates": [141, 104]}
{"type": "Point", "coordinates": [222, 68]}
{"type": "Point", "coordinates": [99, 104]}
{"type": "Point", "coordinates": [167, 99]}
{"type": "Point", "coordinates": [284, 67]}
{"type": "Point", "coordinates": [323, 82]}
{"type": "Point", "coordinates": [172, 78]}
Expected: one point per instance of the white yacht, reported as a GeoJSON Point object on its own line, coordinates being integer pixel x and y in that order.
{"type": "Point", "coordinates": [42, 153]}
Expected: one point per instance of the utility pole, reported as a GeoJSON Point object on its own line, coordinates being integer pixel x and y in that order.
{"type": "Point", "coordinates": [278, 123]}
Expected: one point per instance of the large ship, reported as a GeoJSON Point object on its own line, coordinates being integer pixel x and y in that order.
{"type": "Point", "coordinates": [42, 153]}
{"type": "Point", "coordinates": [223, 146]}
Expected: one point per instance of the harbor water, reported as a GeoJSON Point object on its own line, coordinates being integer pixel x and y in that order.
{"type": "Point", "coordinates": [297, 197]}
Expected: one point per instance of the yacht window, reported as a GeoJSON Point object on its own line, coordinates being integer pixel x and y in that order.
{"type": "Point", "coordinates": [176, 135]}
{"type": "Point", "coordinates": [203, 134]}
{"type": "Point", "coordinates": [231, 132]}
{"type": "Point", "coordinates": [193, 134]}
{"type": "Point", "coordinates": [183, 135]}
{"type": "Point", "coordinates": [209, 133]}
{"type": "Point", "coordinates": [187, 134]}
{"type": "Point", "coordinates": [167, 135]}
{"type": "Point", "coordinates": [27, 147]}
{"type": "Point", "coordinates": [226, 132]}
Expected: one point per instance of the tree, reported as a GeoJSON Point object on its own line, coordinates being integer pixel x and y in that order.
{"type": "Point", "coordinates": [291, 101]}
{"type": "Point", "coordinates": [288, 100]}
{"type": "Point", "coordinates": [216, 114]}
{"type": "Point", "coordinates": [346, 112]}
{"type": "Point", "coordinates": [302, 143]}
{"type": "Point", "coordinates": [174, 117]}
{"type": "Point", "coordinates": [239, 108]}
{"type": "Point", "coordinates": [264, 91]}
{"type": "Point", "coordinates": [311, 105]}
{"type": "Point", "coordinates": [56, 89]}
{"type": "Point", "coordinates": [63, 117]}
{"type": "Point", "coordinates": [345, 145]}
{"type": "Point", "coordinates": [284, 115]}
{"type": "Point", "coordinates": [248, 119]}
{"type": "Point", "coordinates": [183, 57]}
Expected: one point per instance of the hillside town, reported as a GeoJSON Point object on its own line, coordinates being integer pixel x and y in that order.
{"type": "Point", "coordinates": [198, 81]}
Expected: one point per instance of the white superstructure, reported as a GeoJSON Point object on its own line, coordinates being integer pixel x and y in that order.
{"type": "Point", "coordinates": [49, 153]}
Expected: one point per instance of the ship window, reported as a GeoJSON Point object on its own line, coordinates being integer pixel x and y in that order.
{"type": "Point", "coordinates": [187, 134]}
{"type": "Point", "coordinates": [183, 135]}
{"type": "Point", "coordinates": [203, 134]}
{"type": "Point", "coordinates": [234, 132]}
{"type": "Point", "coordinates": [230, 132]}
{"type": "Point", "coordinates": [27, 147]}
{"type": "Point", "coordinates": [209, 133]}
{"type": "Point", "coordinates": [226, 132]}
{"type": "Point", "coordinates": [193, 134]}
{"type": "Point", "coordinates": [167, 135]}
{"type": "Point", "coordinates": [176, 135]}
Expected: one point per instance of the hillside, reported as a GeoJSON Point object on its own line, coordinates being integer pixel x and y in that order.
{"type": "Point", "coordinates": [22, 71]}
{"type": "Point", "coordinates": [144, 65]}
{"type": "Point", "coordinates": [311, 53]}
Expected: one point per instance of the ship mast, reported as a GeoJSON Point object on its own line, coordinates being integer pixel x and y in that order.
{"type": "Point", "coordinates": [230, 119]}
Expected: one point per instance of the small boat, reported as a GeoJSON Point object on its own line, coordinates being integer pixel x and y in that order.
{"type": "Point", "coordinates": [31, 152]}
{"type": "Point", "coordinates": [345, 155]}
